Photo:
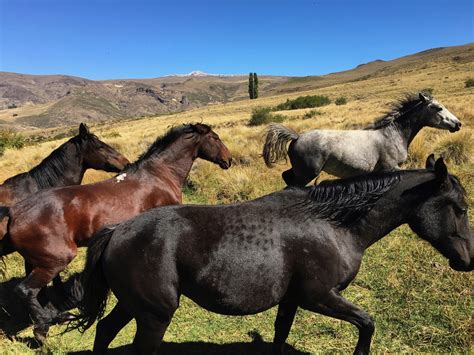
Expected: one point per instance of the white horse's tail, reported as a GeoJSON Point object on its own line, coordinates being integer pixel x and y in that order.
{"type": "Point", "coordinates": [276, 141]}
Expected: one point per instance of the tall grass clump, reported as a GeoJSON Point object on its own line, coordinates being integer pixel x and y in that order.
{"type": "Point", "coordinates": [10, 139]}
{"type": "Point", "coordinates": [418, 151]}
{"type": "Point", "coordinates": [311, 114]}
{"type": "Point", "coordinates": [455, 148]}
{"type": "Point", "coordinates": [341, 101]}
{"type": "Point", "coordinates": [469, 83]}
{"type": "Point", "coordinates": [308, 101]}
{"type": "Point", "coordinates": [263, 115]}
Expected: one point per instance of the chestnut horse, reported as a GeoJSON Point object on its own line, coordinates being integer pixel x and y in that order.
{"type": "Point", "coordinates": [65, 166]}
{"type": "Point", "coordinates": [47, 228]}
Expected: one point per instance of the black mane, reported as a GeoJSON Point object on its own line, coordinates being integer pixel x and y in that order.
{"type": "Point", "coordinates": [397, 110]}
{"type": "Point", "coordinates": [345, 201]}
{"type": "Point", "coordinates": [162, 142]}
{"type": "Point", "coordinates": [52, 168]}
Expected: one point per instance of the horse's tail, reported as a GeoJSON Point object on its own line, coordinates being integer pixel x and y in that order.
{"type": "Point", "coordinates": [95, 287]}
{"type": "Point", "coordinates": [276, 141]}
{"type": "Point", "coordinates": [5, 245]}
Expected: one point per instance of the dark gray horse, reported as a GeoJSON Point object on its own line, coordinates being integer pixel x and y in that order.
{"type": "Point", "coordinates": [293, 248]}
{"type": "Point", "coordinates": [382, 146]}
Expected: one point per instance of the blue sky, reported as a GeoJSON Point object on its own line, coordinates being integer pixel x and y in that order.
{"type": "Point", "coordinates": [105, 39]}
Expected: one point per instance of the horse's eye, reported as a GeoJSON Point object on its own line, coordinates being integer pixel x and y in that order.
{"type": "Point", "coordinates": [460, 210]}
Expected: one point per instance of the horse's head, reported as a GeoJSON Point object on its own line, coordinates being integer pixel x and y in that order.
{"type": "Point", "coordinates": [438, 116]}
{"type": "Point", "coordinates": [98, 155]}
{"type": "Point", "coordinates": [211, 148]}
{"type": "Point", "coordinates": [441, 218]}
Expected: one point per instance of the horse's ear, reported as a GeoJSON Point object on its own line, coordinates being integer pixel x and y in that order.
{"type": "Point", "coordinates": [201, 128]}
{"type": "Point", "coordinates": [83, 130]}
{"type": "Point", "coordinates": [441, 172]}
{"type": "Point", "coordinates": [423, 97]}
{"type": "Point", "coordinates": [430, 162]}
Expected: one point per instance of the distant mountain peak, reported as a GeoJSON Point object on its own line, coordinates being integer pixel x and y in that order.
{"type": "Point", "coordinates": [196, 73]}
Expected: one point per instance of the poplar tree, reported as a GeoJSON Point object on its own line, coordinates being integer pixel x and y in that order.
{"type": "Point", "coordinates": [255, 86]}
{"type": "Point", "coordinates": [251, 86]}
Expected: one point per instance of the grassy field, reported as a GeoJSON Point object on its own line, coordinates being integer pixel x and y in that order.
{"type": "Point", "coordinates": [419, 304]}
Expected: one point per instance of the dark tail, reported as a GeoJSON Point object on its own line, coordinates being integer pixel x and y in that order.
{"type": "Point", "coordinates": [277, 138]}
{"type": "Point", "coordinates": [5, 245]}
{"type": "Point", "coordinates": [95, 287]}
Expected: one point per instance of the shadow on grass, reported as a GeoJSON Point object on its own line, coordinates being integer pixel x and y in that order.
{"type": "Point", "coordinates": [13, 315]}
{"type": "Point", "coordinates": [256, 346]}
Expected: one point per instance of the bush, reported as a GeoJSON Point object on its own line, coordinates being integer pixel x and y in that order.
{"type": "Point", "coordinates": [469, 83]}
{"type": "Point", "coordinates": [10, 139]}
{"type": "Point", "coordinates": [263, 115]}
{"type": "Point", "coordinates": [341, 101]}
{"type": "Point", "coordinates": [304, 102]}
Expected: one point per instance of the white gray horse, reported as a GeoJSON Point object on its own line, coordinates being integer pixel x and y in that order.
{"type": "Point", "coordinates": [382, 146]}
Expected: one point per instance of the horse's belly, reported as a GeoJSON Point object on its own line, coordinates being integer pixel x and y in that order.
{"type": "Point", "coordinates": [349, 165]}
{"type": "Point", "coordinates": [239, 282]}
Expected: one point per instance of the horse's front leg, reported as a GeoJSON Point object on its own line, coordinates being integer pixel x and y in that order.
{"type": "Point", "coordinates": [28, 291]}
{"type": "Point", "coordinates": [283, 323]}
{"type": "Point", "coordinates": [338, 307]}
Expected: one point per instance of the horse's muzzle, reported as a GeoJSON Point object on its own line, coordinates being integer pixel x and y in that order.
{"type": "Point", "coordinates": [457, 127]}
{"type": "Point", "coordinates": [459, 265]}
{"type": "Point", "coordinates": [225, 164]}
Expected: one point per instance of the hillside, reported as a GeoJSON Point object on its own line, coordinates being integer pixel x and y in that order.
{"type": "Point", "coordinates": [41, 101]}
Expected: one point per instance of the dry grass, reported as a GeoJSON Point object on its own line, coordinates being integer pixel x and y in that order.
{"type": "Point", "coordinates": [420, 305]}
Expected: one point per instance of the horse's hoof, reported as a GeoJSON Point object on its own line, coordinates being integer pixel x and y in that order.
{"type": "Point", "coordinates": [63, 318]}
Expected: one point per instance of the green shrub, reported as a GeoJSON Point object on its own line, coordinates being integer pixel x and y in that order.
{"type": "Point", "coordinates": [341, 101]}
{"type": "Point", "coordinates": [469, 83]}
{"type": "Point", "coordinates": [10, 139]}
{"type": "Point", "coordinates": [263, 115]}
{"type": "Point", "coordinates": [304, 102]}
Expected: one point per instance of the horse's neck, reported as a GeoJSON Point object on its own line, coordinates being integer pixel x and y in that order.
{"type": "Point", "coordinates": [175, 161]}
{"type": "Point", "coordinates": [56, 171]}
{"type": "Point", "coordinates": [408, 127]}
{"type": "Point", "coordinates": [390, 212]}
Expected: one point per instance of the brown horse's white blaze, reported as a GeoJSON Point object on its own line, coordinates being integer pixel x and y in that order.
{"type": "Point", "coordinates": [47, 228]}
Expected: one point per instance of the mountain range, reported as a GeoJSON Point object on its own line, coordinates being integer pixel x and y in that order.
{"type": "Point", "coordinates": [41, 101]}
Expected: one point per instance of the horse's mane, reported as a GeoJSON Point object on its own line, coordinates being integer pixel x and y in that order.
{"type": "Point", "coordinates": [345, 201]}
{"type": "Point", "coordinates": [397, 110]}
{"type": "Point", "coordinates": [51, 169]}
{"type": "Point", "coordinates": [163, 142]}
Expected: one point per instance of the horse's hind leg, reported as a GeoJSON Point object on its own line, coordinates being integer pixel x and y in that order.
{"type": "Point", "coordinates": [150, 332]}
{"type": "Point", "coordinates": [293, 178]}
{"type": "Point", "coordinates": [338, 307]}
{"type": "Point", "coordinates": [283, 322]}
{"type": "Point", "coordinates": [108, 328]}
{"type": "Point", "coordinates": [28, 291]}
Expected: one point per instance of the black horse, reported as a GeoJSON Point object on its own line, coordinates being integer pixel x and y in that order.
{"type": "Point", "coordinates": [293, 248]}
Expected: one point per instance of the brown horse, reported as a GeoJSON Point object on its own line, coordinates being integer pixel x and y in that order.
{"type": "Point", "coordinates": [65, 166]}
{"type": "Point", "coordinates": [47, 228]}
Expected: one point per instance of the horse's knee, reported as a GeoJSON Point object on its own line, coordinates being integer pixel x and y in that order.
{"type": "Point", "coordinates": [22, 292]}
{"type": "Point", "coordinates": [366, 325]}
